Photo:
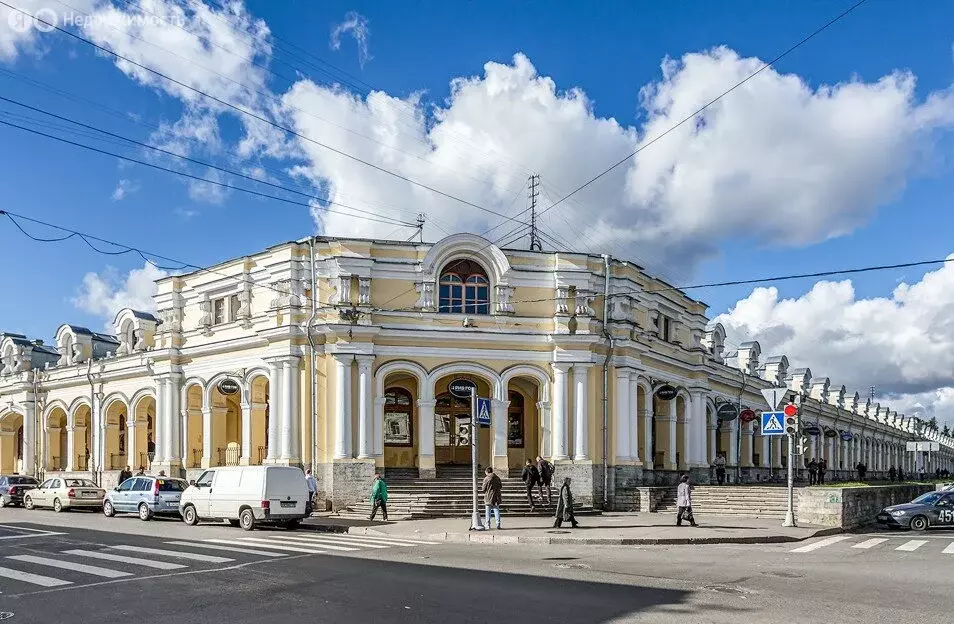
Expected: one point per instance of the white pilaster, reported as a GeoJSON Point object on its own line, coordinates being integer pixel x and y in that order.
{"type": "Point", "coordinates": [647, 415]}
{"type": "Point", "coordinates": [623, 420]}
{"type": "Point", "coordinates": [697, 430]}
{"type": "Point", "coordinates": [671, 463]}
{"type": "Point", "coordinates": [246, 458]}
{"type": "Point", "coordinates": [764, 451]}
{"type": "Point", "coordinates": [206, 436]}
{"type": "Point", "coordinates": [365, 401]}
{"type": "Point", "coordinates": [29, 437]}
{"type": "Point", "coordinates": [560, 428]}
{"type": "Point", "coordinates": [377, 444]}
{"type": "Point", "coordinates": [290, 415]}
{"type": "Point", "coordinates": [274, 411]}
{"type": "Point", "coordinates": [634, 417]}
{"type": "Point", "coordinates": [70, 448]}
{"type": "Point", "coordinates": [343, 406]}
{"type": "Point", "coordinates": [581, 429]}
{"type": "Point", "coordinates": [546, 428]}
{"type": "Point", "coordinates": [733, 451]}
{"type": "Point", "coordinates": [425, 430]}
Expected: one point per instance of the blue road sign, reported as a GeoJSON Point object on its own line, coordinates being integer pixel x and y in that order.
{"type": "Point", "coordinates": [773, 423]}
{"type": "Point", "coordinates": [483, 412]}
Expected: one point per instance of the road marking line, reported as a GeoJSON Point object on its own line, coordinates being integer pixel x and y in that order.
{"type": "Point", "coordinates": [949, 550]}
{"type": "Point", "coordinates": [291, 539]}
{"type": "Point", "coordinates": [821, 544]}
{"type": "Point", "coordinates": [69, 565]}
{"type": "Point", "coordinates": [299, 549]}
{"type": "Point", "coordinates": [265, 541]}
{"type": "Point", "coordinates": [35, 579]}
{"type": "Point", "coordinates": [870, 543]}
{"type": "Point", "coordinates": [374, 539]}
{"type": "Point", "coordinates": [911, 545]}
{"type": "Point", "coordinates": [175, 554]}
{"type": "Point", "coordinates": [247, 551]}
{"type": "Point", "coordinates": [20, 528]}
{"type": "Point", "coordinates": [159, 565]}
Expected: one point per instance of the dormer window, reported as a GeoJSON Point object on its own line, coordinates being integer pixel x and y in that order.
{"type": "Point", "coordinates": [464, 289]}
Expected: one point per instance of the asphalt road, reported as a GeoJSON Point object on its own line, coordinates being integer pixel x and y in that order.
{"type": "Point", "coordinates": [285, 576]}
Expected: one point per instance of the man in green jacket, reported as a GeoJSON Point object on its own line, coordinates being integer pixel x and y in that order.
{"type": "Point", "coordinates": [379, 497]}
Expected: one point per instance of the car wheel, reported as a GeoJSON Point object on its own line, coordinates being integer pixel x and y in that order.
{"type": "Point", "coordinates": [108, 510]}
{"type": "Point", "coordinates": [919, 523]}
{"type": "Point", "coordinates": [145, 514]}
{"type": "Point", "coordinates": [57, 505]}
{"type": "Point", "coordinates": [234, 523]}
{"type": "Point", "coordinates": [247, 520]}
{"type": "Point", "coordinates": [291, 525]}
{"type": "Point", "coordinates": [28, 502]}
{"type": "Point", "coordinates": [189, 516]}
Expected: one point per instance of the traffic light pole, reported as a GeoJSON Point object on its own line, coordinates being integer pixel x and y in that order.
{"type": "Point", "coordinates": [790, 513]}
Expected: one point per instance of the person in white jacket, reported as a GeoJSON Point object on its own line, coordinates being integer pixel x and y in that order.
{"type": "Point", "coordinates": [684, 502]}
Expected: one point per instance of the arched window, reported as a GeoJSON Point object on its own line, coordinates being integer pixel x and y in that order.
{"type": "Point", "coordinates": [515, 421]}
{"type": "Point", "coordinates": [398, 417]}
{"type": "Point", "coordinates": [464, 289]}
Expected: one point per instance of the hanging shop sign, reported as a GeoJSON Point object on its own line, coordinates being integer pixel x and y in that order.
{"type": "Point", "coordinates": [747, 415]}
{"type": "Point", "coordinates": [812, 430]}
{"type": "Point", "coordinates": [666, 393]}
{"type": "Point", "coordinates": [831, 433]}
{"type": "Point", "coordinates": [727, 412]}
{"type": "Point", "coordinates": [847, 436]}
{"type": "Point", "coordinates": [462, 388]}
{"type": "Point", "coordinates": [228, 386]}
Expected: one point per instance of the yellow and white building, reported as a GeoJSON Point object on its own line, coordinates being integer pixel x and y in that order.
{"type": "Point", "coordinates": [337, 354]}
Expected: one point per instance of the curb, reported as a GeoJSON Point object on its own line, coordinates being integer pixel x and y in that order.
{"type": "Point", "coordinates": [487, 538]}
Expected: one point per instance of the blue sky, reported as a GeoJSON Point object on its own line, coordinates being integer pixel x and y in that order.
{"type": "Point", "coordinates": [609, 51]}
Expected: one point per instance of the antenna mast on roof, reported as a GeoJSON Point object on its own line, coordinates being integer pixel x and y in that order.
{"type": "Point", "coordinates": [533, 194]}
{"type": "Point", "coordinates": [421, 217]}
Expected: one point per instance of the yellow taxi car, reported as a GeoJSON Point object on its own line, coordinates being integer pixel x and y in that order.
{"type": "Point", "coordinates": [65, 493]}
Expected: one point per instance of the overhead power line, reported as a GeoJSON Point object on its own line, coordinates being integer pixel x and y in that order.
{"type": "Point", "coordinates": [256, 116]}
{"type": "Point", "coordinates": [709, 103]}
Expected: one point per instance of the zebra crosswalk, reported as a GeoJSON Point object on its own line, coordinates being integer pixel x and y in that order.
{"type": "Point", "coordinates": [93, 563]}
{"type": "Point", "coordinates": [900, 544]}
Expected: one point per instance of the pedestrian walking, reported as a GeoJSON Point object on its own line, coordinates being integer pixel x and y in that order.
{"type": "Point", "coordinates": [900, 474]}
{"type": "Point", "coordinates": [719, 464]}
{"type": "Point", "coordinates": [564, 507]}
{"type": "Point", "coordinates": [545, 469]}
{"type": "Point", "coordinates": [124, 474]}
{"type": "Point", "coordinates": [813, 472]}
{"type": "Point", "coordinates": [492, 488]}
{"type": "Point", "coordinates": [684, 502]}
{"type": "Point", "coordinates": [891, 474]}
{"type": "Point", "coordinates": [531, 477]}
{"type": "Point", "coordinates": [312, 487]}
{"type": "Point", "coordinates": [860, 468]}
{"type": "Point", "coordinates": [822, 468]}
{"type": "Point", "coordinates": [379, 497]}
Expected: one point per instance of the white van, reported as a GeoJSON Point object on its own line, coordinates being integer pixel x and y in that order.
{"type": "Point", "coordinates": [246, 496]}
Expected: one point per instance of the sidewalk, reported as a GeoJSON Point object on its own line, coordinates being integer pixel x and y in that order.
{"type": "Point", "coordinates": [608, 529]}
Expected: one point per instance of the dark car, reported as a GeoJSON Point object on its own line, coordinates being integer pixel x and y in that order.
{"type": "Point", "coordinates": [12, 488]}
{"type": "Point", "coordinates": [928, 510]}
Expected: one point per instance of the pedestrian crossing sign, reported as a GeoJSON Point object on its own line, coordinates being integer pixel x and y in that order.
{"type": "Point", "coordinates": [483, 412]}
{"type": "Point", "coordinates": [772, 423]}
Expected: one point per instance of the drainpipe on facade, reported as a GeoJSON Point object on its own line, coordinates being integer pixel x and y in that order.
{"type": "Point", "coordinates": [93, 421]}
{"type": "Point", "coordinates": [609, 355]}
{"type": "Point", "coordinates": [37, 420]}
{"type": "Point", "coordinates": [312, 381]}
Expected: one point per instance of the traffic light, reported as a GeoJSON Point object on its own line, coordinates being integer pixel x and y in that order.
{"type": "Point", "coordinates": [792, 424]}
{"type": "Point", "coordinates": [803, 443]}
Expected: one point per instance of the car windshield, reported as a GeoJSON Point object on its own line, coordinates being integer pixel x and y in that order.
{"type": "Point", "coordinates": [79, 483]}
{"type": "Point", "coordinates": [927, 499]}
{"type": "Point", "coordinates": [22, 481]}
{"type": "Point", "coordinates": [172, 485]}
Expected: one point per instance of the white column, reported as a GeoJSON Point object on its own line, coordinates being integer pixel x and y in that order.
{"type": "Point", "coordinates": [289, 376]}
{"type": "Point", "coordinates": [697, 430]}
{"type": "Point", "coordinates": [207, 436]}
{"type": "Point", "coordinates": [711, 434]}
{"type": "Point", "coordinates": [274, 411]}
{"type": "Point", "coordinates": [246, 458]}
{"type": "Point", "coordinates": [560, 428]}
{"type": "Point", "coordinates": [29, 435]}
{"type": "Point", "coordinates": [634, 418]}
{"type": "Point", "coordinates": [623, 423]}
{"type": "Point", "coordinates": [377, 429]}
{"type": "Point", "coordinates": [343, 407]}
{"type": "Point", "coordinates": [733, 451]}
{"type": "Point", "coordinates": [546, 429]}
{"type": "Point", "coordinates": [365, 399]}
{"type": "Point", "coordinates": [748, 445]}
{"type": "Point", "coordinates": [160, 426]}
{"type": "Point", "coordinates": [764, 452]}
{"type": "Point", "coordinates": [425, 430]}
{"type": "Point", "coordinates": [132, 451]}
{"type": "Point", "coordinates": [647, 413]}
{"type": "Point", "coordinates": [671, 463]}
{"type": "Point", "coordinates": [499, 424]}
{"type": "Point", "coordinates": [70, 448]}
{"type": "Point", "coordinates": [581, 429]}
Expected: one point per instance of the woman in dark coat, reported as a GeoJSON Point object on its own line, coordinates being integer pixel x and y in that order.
{"type": "Point", "coordinates": [564, 507]}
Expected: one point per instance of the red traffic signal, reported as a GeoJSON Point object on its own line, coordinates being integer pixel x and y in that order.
{"type": "Point", "coordinates": [791, 409]}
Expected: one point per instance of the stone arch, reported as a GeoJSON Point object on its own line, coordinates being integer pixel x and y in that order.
{"type": "Point", "coordinates": [57, 438]}
{"type": "Point", "coordinates": [222, 423]}
{"type": "Point", "coordinates": [74, 406]}
{"type": "Point", "coordinates": [257, 437]}
{"type": "Point", "coordinates": [192, 404]}
{"type": "Point", "coordinates": [467, 246]}
{"type": "Point", "coordinates": [115, 412]}
{"type": "Point", "coordinates": [452, 415]}
{"type": "Point", "coordinates": [525, 392]}
{"type": "Point", "coordinates": [683, 410]}
{"type": "Point", "coordinates": [11, 423]}
{"type": "Point", "coordinates": [403, 366]}
{"type": "Point", "coordinates": [54, 405]}
{"type": "Point", "coordinates": [212, 387]}
{"type": "Point", "coordinates": [394, 421]}
{"type": "Point", "coordinates": [141, 430]}
{"type": "Point", "coordinates": [467, 368]}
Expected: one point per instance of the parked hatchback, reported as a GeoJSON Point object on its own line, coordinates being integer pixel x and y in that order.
{"type": "Point", "coordinates": [146, 496]}
{"type": "Point", "coordinates": [13, 487]}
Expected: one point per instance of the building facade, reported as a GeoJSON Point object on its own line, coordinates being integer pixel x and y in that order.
{"type": "Point", "coordinates": [337, 354]}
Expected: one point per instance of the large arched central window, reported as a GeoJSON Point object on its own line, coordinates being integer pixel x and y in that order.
{"type": "Point", "coordinates": [464, 289]}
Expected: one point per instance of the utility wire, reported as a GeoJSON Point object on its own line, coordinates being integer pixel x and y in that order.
{"type": "Point", "coordinates": [258, 117]}
{"type": "Point", "coordinates": [144, 163]}
{"type": "Point", "coordinates": [198, 162]}
{"type": "Point", "coordinates": [710, 102]}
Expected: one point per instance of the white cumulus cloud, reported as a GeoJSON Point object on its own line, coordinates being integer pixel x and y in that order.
{"type": "Point", "coordinates": [124, 188]}
{"type": "Point", "coordinates": [104, 294]}
{"type": "Point", "coordinates": [902, 344]}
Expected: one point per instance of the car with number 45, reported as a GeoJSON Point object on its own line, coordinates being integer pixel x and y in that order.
{"type": "Point", "coordinates": [934, 509]}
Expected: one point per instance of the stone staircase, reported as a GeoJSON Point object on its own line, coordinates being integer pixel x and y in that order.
{"type": "Point", "coordinates": [449, 496]}
{"type": "Point", "coordinates": [752, 501]}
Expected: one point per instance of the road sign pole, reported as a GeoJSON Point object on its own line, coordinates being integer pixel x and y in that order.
{"type": "Point", "coordinates": [475, 524]}
{"type": "Point", "coordinates": [790, 513]}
